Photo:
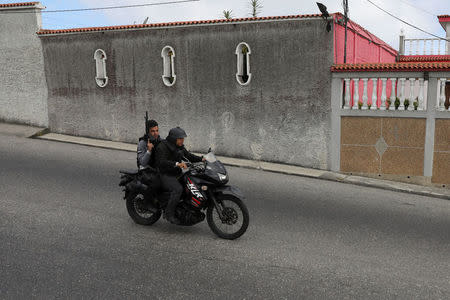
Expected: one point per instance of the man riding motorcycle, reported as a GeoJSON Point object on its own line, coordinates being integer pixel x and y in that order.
{"type": "Point", "coordinates": [146, 158]}
{"type": "Point", "coordinates": [147, 146]}
{"type": "Point", "coordinates": [169, 155]}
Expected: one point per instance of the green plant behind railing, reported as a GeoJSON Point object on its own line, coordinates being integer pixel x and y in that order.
{"type": "Point", "coordinates": [406, 103]}
{"type": "Point", "coordinates": [416, 103]}
{"type": "Point", "coordinates": [397, 102]}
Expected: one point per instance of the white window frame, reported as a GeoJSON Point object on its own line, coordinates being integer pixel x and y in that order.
{"type": "Point", "coordinates": [239, 62]}
{"type": "Point", "coordinates": [168, 66]}
{"type": "Point", "coordinates": [100, 67]}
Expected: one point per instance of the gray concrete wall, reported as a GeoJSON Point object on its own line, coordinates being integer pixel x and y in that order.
{"type": "Point", "coordinates": [23, 90]}
{"type": "Point", "coordinates": [283, 115]}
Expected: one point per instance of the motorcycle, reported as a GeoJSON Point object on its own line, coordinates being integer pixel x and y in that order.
{"type": "Point", "coordinates": [205, 188]}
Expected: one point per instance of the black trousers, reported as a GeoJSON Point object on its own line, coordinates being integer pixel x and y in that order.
{"type": "Point", "coordinates": [153, 181]}
{"type": "Point", "coordinates": [171, 184]}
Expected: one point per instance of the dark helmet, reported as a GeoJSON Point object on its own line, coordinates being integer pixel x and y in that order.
{"type": "Point", "coordinates": [177, 133]}
{"type": "Point", "coordinates": [174, 134]}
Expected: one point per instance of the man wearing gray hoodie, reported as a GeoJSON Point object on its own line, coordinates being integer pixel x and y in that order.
{"type": "Point", "coordinates": [146, 158]}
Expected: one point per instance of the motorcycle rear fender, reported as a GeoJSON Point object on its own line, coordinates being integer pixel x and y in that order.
{"type": "Point", "coordinates": [229, 190]}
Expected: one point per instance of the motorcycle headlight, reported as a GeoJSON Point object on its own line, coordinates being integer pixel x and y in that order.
{"type": "Point", "coordinates": [222, 177]}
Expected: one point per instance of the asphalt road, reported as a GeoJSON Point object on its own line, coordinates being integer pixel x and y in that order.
{"type": "Point", "coordinates": [65, 233]}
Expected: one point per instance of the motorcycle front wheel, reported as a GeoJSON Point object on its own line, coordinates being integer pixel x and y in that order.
{"type": "Point", "coordinates": [139, 213]}
{"type": "Point", "coordinates": [235, 217]}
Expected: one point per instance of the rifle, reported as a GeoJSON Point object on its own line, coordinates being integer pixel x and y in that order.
{"type": "Point", "coordinates": [146, 126]}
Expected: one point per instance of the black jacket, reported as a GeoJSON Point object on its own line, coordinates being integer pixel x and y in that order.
{"type": "Point", "coordinates": [167, 155]}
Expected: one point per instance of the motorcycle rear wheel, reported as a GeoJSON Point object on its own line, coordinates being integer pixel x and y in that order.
{"type": "Point", "coordinates": [236, 218]}
{"type": "Point", "coordinates": [137, 211]}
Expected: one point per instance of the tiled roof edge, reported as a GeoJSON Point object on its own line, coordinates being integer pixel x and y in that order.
{"type": "Point", "coordinates": [155, 25]}
{"type": "Point", "coordinates": [424, 58]}
{"type": "Point", "coordinates": [386, 67]}
{"type": "Point", "coordinates": [19, 4]}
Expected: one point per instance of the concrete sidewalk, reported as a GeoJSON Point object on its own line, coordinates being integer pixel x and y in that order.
{"type": "Point", "coordinates": [41, 133]}
{"type": "Point", "coordinates": [21, 130]}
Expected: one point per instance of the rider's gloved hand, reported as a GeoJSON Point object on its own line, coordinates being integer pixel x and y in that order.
{"type": "Point", "coordinates": [181, 165]}
{"type": "Point", "coordinates": [149, 146]}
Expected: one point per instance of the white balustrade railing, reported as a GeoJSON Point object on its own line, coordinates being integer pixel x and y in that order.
{"type": "Point", "coordinates": [441, 95]}
{"type": "Point", "coordinates": [424, 47]}
{"type": "Point", "coordinates": [382, 93]}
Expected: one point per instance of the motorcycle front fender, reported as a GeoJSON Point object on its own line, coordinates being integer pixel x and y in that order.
{"type": "Point", "coordinates": [230, 190]}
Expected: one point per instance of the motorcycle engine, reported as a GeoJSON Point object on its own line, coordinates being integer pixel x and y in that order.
{"type": "Point", "coordinates": [189, 216]}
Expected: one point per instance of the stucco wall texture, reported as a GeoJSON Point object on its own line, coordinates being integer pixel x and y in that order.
{"type": "Point", "coordinates": [23, 90]}
{"type": "Point", "coordinates": [283, 115]}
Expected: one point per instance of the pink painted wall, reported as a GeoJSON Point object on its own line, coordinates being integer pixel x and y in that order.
{"type": "Point", "coordinates": [362, 47]}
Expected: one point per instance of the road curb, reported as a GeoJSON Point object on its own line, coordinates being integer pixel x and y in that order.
{"type": "Point", "coordinates": [21, 130]}
{"type": "Point", "coordinates": [40, 133]}
{"type": "Point", "coordinates": [400, 187]}
{"type": "Point", "coordinates": [88, 142]}
{"type": "Point", "coordinates": [44, 134]}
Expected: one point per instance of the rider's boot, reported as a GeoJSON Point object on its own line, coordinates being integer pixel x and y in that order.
{"type": "Point", "coordinates": [150, 202]}
{"type": "Point", "coordinates": [149, 205]}
{"type": "Point", "coordinates": [169, 213]}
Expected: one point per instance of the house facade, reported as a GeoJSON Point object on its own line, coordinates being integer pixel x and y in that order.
{"type": "Point", "coordinates": [255, 88]}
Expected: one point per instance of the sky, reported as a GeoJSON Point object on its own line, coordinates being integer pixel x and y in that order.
{"type": "Point", "coordinates": [421, 13]}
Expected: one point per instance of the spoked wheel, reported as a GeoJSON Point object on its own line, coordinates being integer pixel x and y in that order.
{"type": "Point", "coordinates": [235, 217]}
{"type": "Point", "coordinates": [139, 213]}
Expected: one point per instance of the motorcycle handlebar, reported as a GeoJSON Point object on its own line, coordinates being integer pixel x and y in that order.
{"type": "Point", "coordinates": [195, 166]}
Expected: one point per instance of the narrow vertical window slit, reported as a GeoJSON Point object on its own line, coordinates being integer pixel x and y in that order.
{"type": "Point", "coordinates": [100, 67]}
{"type": "Point", "coordinates": [243, 74]}
{"type": "Point", "coordinates": [168, 56]}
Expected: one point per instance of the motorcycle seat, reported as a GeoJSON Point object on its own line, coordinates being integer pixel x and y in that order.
{"type": "Point", "coordinates": [129, 172]}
